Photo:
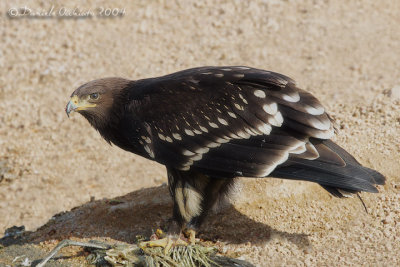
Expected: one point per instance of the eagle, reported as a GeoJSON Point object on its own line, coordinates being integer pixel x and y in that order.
{"type": "Point", "coordinates": [210, 125]}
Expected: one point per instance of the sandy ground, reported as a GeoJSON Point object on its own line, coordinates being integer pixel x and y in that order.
{"type": "Point", "coordinates": [346, 52]}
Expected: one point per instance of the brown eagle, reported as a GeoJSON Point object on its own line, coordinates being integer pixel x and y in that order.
{"type": "Point", "coordinates": [209, 125]}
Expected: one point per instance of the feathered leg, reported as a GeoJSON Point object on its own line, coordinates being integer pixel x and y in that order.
{"type": "Point", "coordinates": [194, 195]}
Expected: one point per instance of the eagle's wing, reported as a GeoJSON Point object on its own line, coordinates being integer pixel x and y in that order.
{"type": "Point", "coordinates": [228, 121]}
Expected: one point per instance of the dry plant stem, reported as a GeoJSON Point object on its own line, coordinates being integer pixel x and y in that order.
{"type": "Point", "coordinates": [67, 243]}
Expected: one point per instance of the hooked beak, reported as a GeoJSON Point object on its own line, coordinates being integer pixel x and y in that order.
{"type": "Point", "coordinates": [70, 107]}
{"type": "Point", "coordinates": [77, 104]}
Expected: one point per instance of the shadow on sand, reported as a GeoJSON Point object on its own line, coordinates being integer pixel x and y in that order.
{"type": "Point", "coordinates": [140, 213]}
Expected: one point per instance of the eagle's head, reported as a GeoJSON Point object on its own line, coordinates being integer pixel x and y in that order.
{"type": "Point", "coordinates": [95, 99]}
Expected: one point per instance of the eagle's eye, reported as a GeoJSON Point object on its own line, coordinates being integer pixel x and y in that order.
{"type": "Point", "coordinates": [94, 96]}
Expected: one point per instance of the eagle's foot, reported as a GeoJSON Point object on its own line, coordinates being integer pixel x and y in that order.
{"type": "Point", "coordinates": [191, 236]}
{"type": "Point", "coordinates": [160, 239]}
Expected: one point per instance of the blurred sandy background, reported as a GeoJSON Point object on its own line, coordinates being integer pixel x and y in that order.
{"type": "Point", "coordinates": [345, 52]}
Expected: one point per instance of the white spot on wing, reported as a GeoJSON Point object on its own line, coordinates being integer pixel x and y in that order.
{"type": "Point", "coordinates": [279, 118]}
{"type": "Point", "coordinates": [325, 134]}
{"type": "Point", "coordinates": [232, 114]}
{"type": "Point", "coordinates": [283, 82]}
{"type": "Point", "coordinates": [197, 157]}
{"type": "Point", "coordinates": [196, 131]}
{"type": "Point", "coordinates": [168, 139]}
{"type": "Point", "coordinates": [313, 151]}
{"type": "Point", "coordinates": [243, 99]}
{"type": "Point", "coordinates": [212, 145]}
{"type": "Point", "coordinates": [202, 150]}
{"type": "Point", "coordinates": [265, 128]}
{"type": "Point", "coordinates": [187, 153]}
{"type": "Point", "coordinates": [273, 165]}
{"type": "Point", "coordinates": [149, 151]}
{"type": "Point", "coordinates": [219, 75]}
{"type": "Point", "coordinates": [270, 108]}
{"type": "Point", "coordinates": [162, 137]}
{"type": "Point", "coordinates": [222, 121]}
{"type": "Point", "coordinates": [259, 93]}
{"type": "Point", "coordinates": [243, 135]}
{"type": "Point", "coordinates": [226, 69]}
{"type": "Point", "coordinates": [250, 131]}
{"type": "Point", "coordinates": [177, 136]}
{"type": "Point", "coordinates": [204, 129]}
{"type": "Point", "coordinates": [276, 120]}
{"type": "Point", "coordinates": [295, 97]}
{"type": "Point", "coordinates": [189, 132]}
{"type": "Point", "coordinates": [233, 136]}
{"type": "Point", "coordinates": [320, 125]}
{"type": "Point", "coordinates": [239, 107]}
{"type": "Point", "coordinates": [193, 80]}
{"type": "Point", "coordinates": [213, 125]}
{"type": "Point", "coordinates": [314, 111]}
{"type": "Point", "coordinates": [299, 149]}
{"type": "Point", "coordinates": [184, 168]}
{"type": "Point", "coordinates": [146, 139]}
{"type": "Point", "coordinates": [238, 75]}
{"type": "Point", "coordinates": [222, 140]}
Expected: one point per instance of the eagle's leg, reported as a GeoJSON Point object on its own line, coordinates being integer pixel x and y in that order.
{"type": "Point", "coordinates": [194, 195]}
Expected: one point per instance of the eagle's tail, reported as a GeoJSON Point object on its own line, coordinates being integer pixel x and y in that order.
{"type": "Point", "coordinates": [338, 172]}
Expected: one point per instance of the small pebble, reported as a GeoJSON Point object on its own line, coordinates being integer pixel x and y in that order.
{"type": "Point", "coordinates": [394, 93]}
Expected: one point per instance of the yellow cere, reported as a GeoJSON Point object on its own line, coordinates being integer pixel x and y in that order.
{"type": "Point", "coordinates": [81, 104]}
